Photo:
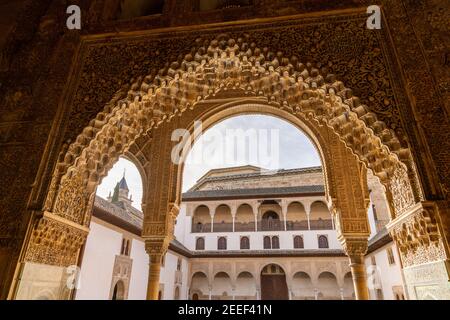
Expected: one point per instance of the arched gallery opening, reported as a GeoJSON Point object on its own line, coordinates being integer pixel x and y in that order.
{"type": "Point", "coordinates": [364, 191]}
{"type": "Point", "coordinates": [273, 283]}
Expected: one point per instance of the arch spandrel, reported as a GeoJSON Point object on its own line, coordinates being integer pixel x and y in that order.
{"type": "Point", "coordinates": [219, 69]}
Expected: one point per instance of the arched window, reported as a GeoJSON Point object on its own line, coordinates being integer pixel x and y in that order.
{"type": "Point", "coordinates": [267, 242]}
{"type": "Point", "coordinates": [245, 243]}
{"type": "Point", "coordinates": [298, 242]}
{"type": "Point", "coordinates": [200, 243]}
{"type": "Point", "coordinates": [195, 296]}
{"type": "Point", "coordinates": [118, 291]}
{"type": "Point", "coordinates": [275, 242]}
{"type": "Point", "coordinates": [323, 242]}
{"type": "Point", "coordinates": [222, 243]}
{"type": "Point", "coordinates": [176, 295]}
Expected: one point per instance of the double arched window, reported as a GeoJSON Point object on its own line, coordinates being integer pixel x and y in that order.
{"type": "Point", "coordinates": [126, 246]}
{"type": "Point", "coordinates": [271, 242]}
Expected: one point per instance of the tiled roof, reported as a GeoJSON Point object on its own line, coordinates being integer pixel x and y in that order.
{"type": "Point", "coordinates": [255, 192]}
{"type": "Point", "coordinates": [123, 184]}
{"type": "Point", "coordinates": [274, 173]}
{"type": "Point", "coordinates": [120, 210]}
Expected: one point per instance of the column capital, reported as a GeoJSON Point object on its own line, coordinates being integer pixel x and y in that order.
{"type": "Point", "coordinates": [355, 247]}
{"type": "Point", "coordinates": [156, 248]}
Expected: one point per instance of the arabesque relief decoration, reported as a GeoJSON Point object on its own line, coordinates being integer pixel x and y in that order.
{"type": "Point", "coordinates": [73, 200]}
{"type": "Point", "coordinates": [417, 235]}
{"type": "Point", "coordinates": [217, 66]}
{"type": "Point", "coordinates": [156, 248]}
{"type": "Point", "coordinates": [401, 191]}
{"type": "Point", "coordinates": [355, 247]}
{"type": "Point", "coordinates": [55, 241]}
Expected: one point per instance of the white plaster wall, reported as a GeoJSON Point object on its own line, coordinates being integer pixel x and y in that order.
{"type": "Point", "coordinates": [102, 246]}
{"type": "Point", "coordinates": [373, 229]}
{"type": "Point", "coordinates": [139, 271]}
{"type": "Point", "coordinates": [168, 273]}
{"type": "Point", "coordinates": [310, 239]}
{"type": "Point", "coordinates": [389, 275]}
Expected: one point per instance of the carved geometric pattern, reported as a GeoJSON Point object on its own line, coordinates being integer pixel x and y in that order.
{"type": "Point", "coordinates": [54, 242]}
{"type": "Point", "coordinates": [417, 236]}
{"type": "Point", "coordinates": [229, 64]}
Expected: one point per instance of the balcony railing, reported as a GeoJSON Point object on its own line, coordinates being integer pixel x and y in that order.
{"type": "Point", "coordinates": [297, 225]}
{"type": "Point", "coordinates": [201, 227]}
{"type": "Point", "coordinates": [325, 224]}
{"type": "Point", "coordinates": [223, 227]}
{"type": "Point", "coordinates": [244, 226]}
{"type": "Point", "coordinates": [270, 225]}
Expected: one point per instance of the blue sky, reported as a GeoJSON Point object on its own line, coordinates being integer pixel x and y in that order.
{"type": "Point", "coordinates": [284, 145]}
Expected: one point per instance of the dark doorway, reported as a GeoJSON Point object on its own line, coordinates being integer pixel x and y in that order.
{"type": "Point", "coordinates": [273, 283]}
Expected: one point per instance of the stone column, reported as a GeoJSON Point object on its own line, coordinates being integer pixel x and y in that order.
{"type": "Point", "coordinates": [284, 212]}
{"type": "Point", "coordinates": [156, 249]}
{"type": "Point", "coordinates": [233, 213]}
{"type": "Point", "coordinates": [255, 213]}
{"type": "Point", "coordinates": [308, 211]}
{"type": "Point", "coordinates": [356, 248]}
{"type": "Point", "coordinates": [210, 293]}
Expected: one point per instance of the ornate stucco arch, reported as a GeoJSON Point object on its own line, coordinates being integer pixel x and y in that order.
{"type": "Point", "coordinates": [219, 68]}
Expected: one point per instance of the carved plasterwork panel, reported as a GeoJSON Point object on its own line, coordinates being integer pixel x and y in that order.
{"type": "Point", "coordinates": [55, 242]}
{"type": "Point", "coordinates": [219, 65]}
{"type": "Point", "coordinates": [417, 236]}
